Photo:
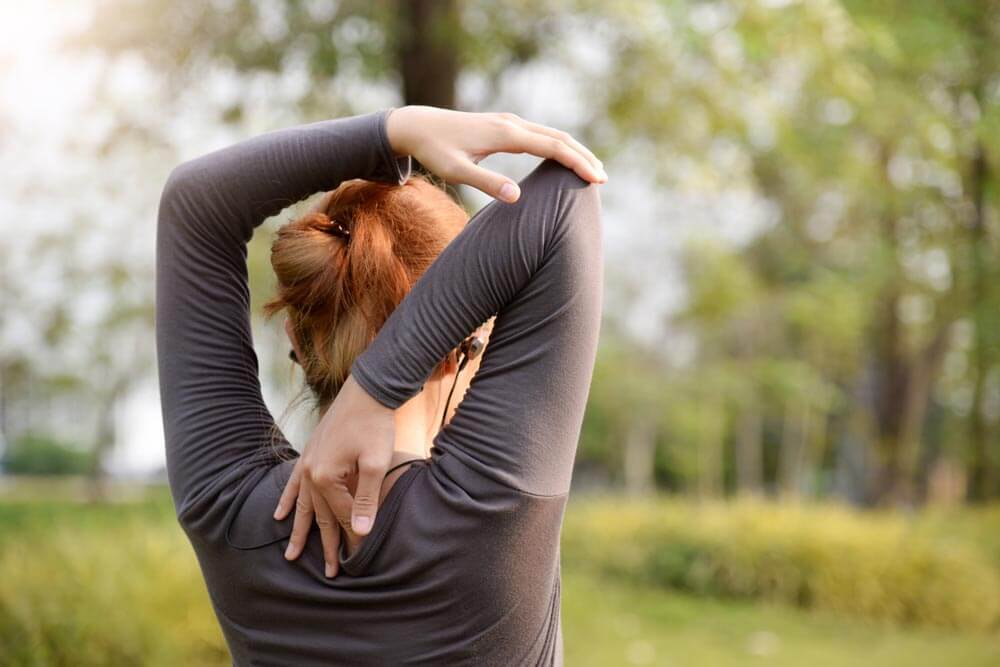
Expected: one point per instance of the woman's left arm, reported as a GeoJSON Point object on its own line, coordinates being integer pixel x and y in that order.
{"type": "Point", "coordinates": [214, 416]}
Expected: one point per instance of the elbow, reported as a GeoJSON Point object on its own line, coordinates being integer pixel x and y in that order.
{"type": "Point", "coordinates": [583, 230]}
{"type": "Point", "coordinates": [186, 182]}
{"type": "Point", "coordinates": [582, 208]}
{"type": "Point", "coordinates": [587, 204]}
{"type": "Point", "coordinates": [577, 202]}
{"type": "Point", "coordinates": [579, 230]}
{"type": "Point", "coordinates": [179, 185]}
{"type": "Point", "coordinates": [575, 241]}
{"type": "Point", "coordinates": [183, 197]}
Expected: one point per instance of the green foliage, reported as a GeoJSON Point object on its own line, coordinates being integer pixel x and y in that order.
{"type": "Point", "coordinates": [877, 566]}
{"type": "Point", "coordinates": [870, 131]}
{"type": "Point", "coordinates": [626, 387]}
{"type": "Point", "coordinates": [865, 315]}
{"type": "Point", "coordinates": [42, 455]}
{"type": "Point", "coordinates": [183, 38]}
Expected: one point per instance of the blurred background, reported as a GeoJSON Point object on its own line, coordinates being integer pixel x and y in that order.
{"type": "Point", "coordinates": [792, 450]}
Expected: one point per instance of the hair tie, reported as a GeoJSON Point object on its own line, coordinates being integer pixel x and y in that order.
{"type": "Point", "coordinates": [337, 229]}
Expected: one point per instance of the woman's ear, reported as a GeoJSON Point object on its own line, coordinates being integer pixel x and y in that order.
{"type": "Point", "coordinates": [447, 367]}
{"type": "Point", "coordinates": [451, 363]}
{"type": "Point", "coordinates": [290, 332]}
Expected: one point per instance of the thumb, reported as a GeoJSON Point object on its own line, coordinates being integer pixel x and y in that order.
{"type": "Point", "coordinates": [494, 184]}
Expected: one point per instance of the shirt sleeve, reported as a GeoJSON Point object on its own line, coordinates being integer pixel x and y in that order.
{"type": "Point", "coordinates": [537, 266]}
{"type": "Point", "coordinates": [215, 420]}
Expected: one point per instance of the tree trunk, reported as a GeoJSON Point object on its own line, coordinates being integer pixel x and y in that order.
{"type": "Point", "coordinates": [981, 466]}
{"type": "Point", "coordinates": [106, 437]}
{"type": "Point", "coordinates": [816, 444]}
{"type": "Point", "coordinates": [794, 454]}
{"type": "Point", "coordinates": [749, 450]}
{"type": "Point", "coordinates": [4, 402]}
{"type": "Point", "coordinates": [103, 445]}
{"type": "Point", "coordinates": [427, 34]}
{"type": "Point", "coordinates": [903, 380]}
{"type": "Point", "coordinates": [918, 396]}
{"type": "Point", "coordinates": [710, 454]}
{"type": "Point", "coordinates": [640, 458]}
{"type": "Point", "coordinates": [902, 430]}
{"type": "Point", "coordinates": [891, 380]}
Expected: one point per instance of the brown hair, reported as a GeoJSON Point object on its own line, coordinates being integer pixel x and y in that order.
{"type": "Point", "coordinates": [342, 272]}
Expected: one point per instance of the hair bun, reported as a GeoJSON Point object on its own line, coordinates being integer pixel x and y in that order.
{"type": "Point", "coordinates": [342, 272]}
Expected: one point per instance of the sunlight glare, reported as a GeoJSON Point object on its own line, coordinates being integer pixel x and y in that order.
{"type": "Point", "coordinates": [34, 74]}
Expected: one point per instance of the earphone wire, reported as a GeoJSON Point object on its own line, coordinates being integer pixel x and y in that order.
{"type": "Point", "coordinates": [451, 392]}
{"type": "Point", "coordinates": [444, 416]}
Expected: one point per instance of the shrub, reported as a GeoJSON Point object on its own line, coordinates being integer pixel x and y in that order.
{"type": "Point", "coordinates": [118, 584]}
{"type": "Point", "coordinates": [874, 565]}
{"type": "Point", "coordinates": [41, 455]}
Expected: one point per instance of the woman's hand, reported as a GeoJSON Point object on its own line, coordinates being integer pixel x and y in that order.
{"type": "Point", "coordinates": [339, 476]}
{"type": "Point", "coordinates": [451, 143]}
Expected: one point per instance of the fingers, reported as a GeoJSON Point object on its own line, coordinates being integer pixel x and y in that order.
{"type": "Point", "coordinates": [546, 146]}
{"type": "Point", "coordinates": [490, 182]}
{"type": "Point", "coordinates": [329, 533]}
{"type": "Point", "coordinates": [291, 492]}
{"type": "Point", "coordinates": [302, 523]}
{"type": "Point", "coordinates": [341, 502]}
{"type": "Point", "coordinates": [370, 476]}
{"type": "Point", "coordinates": [568, 139]}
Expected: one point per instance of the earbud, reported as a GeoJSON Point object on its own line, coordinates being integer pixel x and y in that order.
{"type": "Point", "coordinates": [470, 348]}
{"type": "Point", "coordinates": [476, 347]}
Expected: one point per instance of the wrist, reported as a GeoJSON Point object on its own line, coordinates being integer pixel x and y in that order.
{"type": "Point", "coordinates": [362, 397]}
{"type": "Point", "coordinates": [396, 125]}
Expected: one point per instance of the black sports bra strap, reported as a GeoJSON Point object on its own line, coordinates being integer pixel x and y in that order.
{"type": "Point", "coordinates": [400, 465]}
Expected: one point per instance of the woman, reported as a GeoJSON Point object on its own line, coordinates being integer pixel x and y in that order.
{"type": "Point", "coordinates": [460, 564]}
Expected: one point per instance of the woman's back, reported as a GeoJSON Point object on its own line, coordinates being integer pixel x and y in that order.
{"type": "Point", "coordinates": [446, 577]}
{"type": "Point", "coordinates": [462, 563]}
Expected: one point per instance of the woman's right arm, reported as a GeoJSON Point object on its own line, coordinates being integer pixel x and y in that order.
{"type": "Point", "coordinates": [537, 265]}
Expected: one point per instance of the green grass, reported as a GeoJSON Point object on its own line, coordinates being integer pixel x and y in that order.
{"type": "Point", "coordinates": [610, 622]}
{"type": "Point", "coordinates": [117, 584]}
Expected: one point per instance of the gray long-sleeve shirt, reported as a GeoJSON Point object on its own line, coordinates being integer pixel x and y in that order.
{"type": "Point", "coordinates": [462, 565]}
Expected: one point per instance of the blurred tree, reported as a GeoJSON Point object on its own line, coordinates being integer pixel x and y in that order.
{"type": "Point", "coordinates": [727, 310]}
{"type": "Point", "coordinates": [628, 397]}
{"type": "Point", "coordinates": [868, 131]}
{"type": "Point", "coordinates": [104, 352]}
{"type": "Point", "coordinates": [91, 350]}
{"type": "Point", "coordinates": [419, 47]}
{"type": "Point", "coordinates": [311, 55]}
{"type": "Point", "coordinates": [977, 26]}
{"type": "Point", "coordinates": [937, 58]}
{"type": "Point", "coordinates": [855, 122]}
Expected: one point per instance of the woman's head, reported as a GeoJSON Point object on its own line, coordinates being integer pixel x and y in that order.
{"type": "Point", "coordinates": [344, 267]}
